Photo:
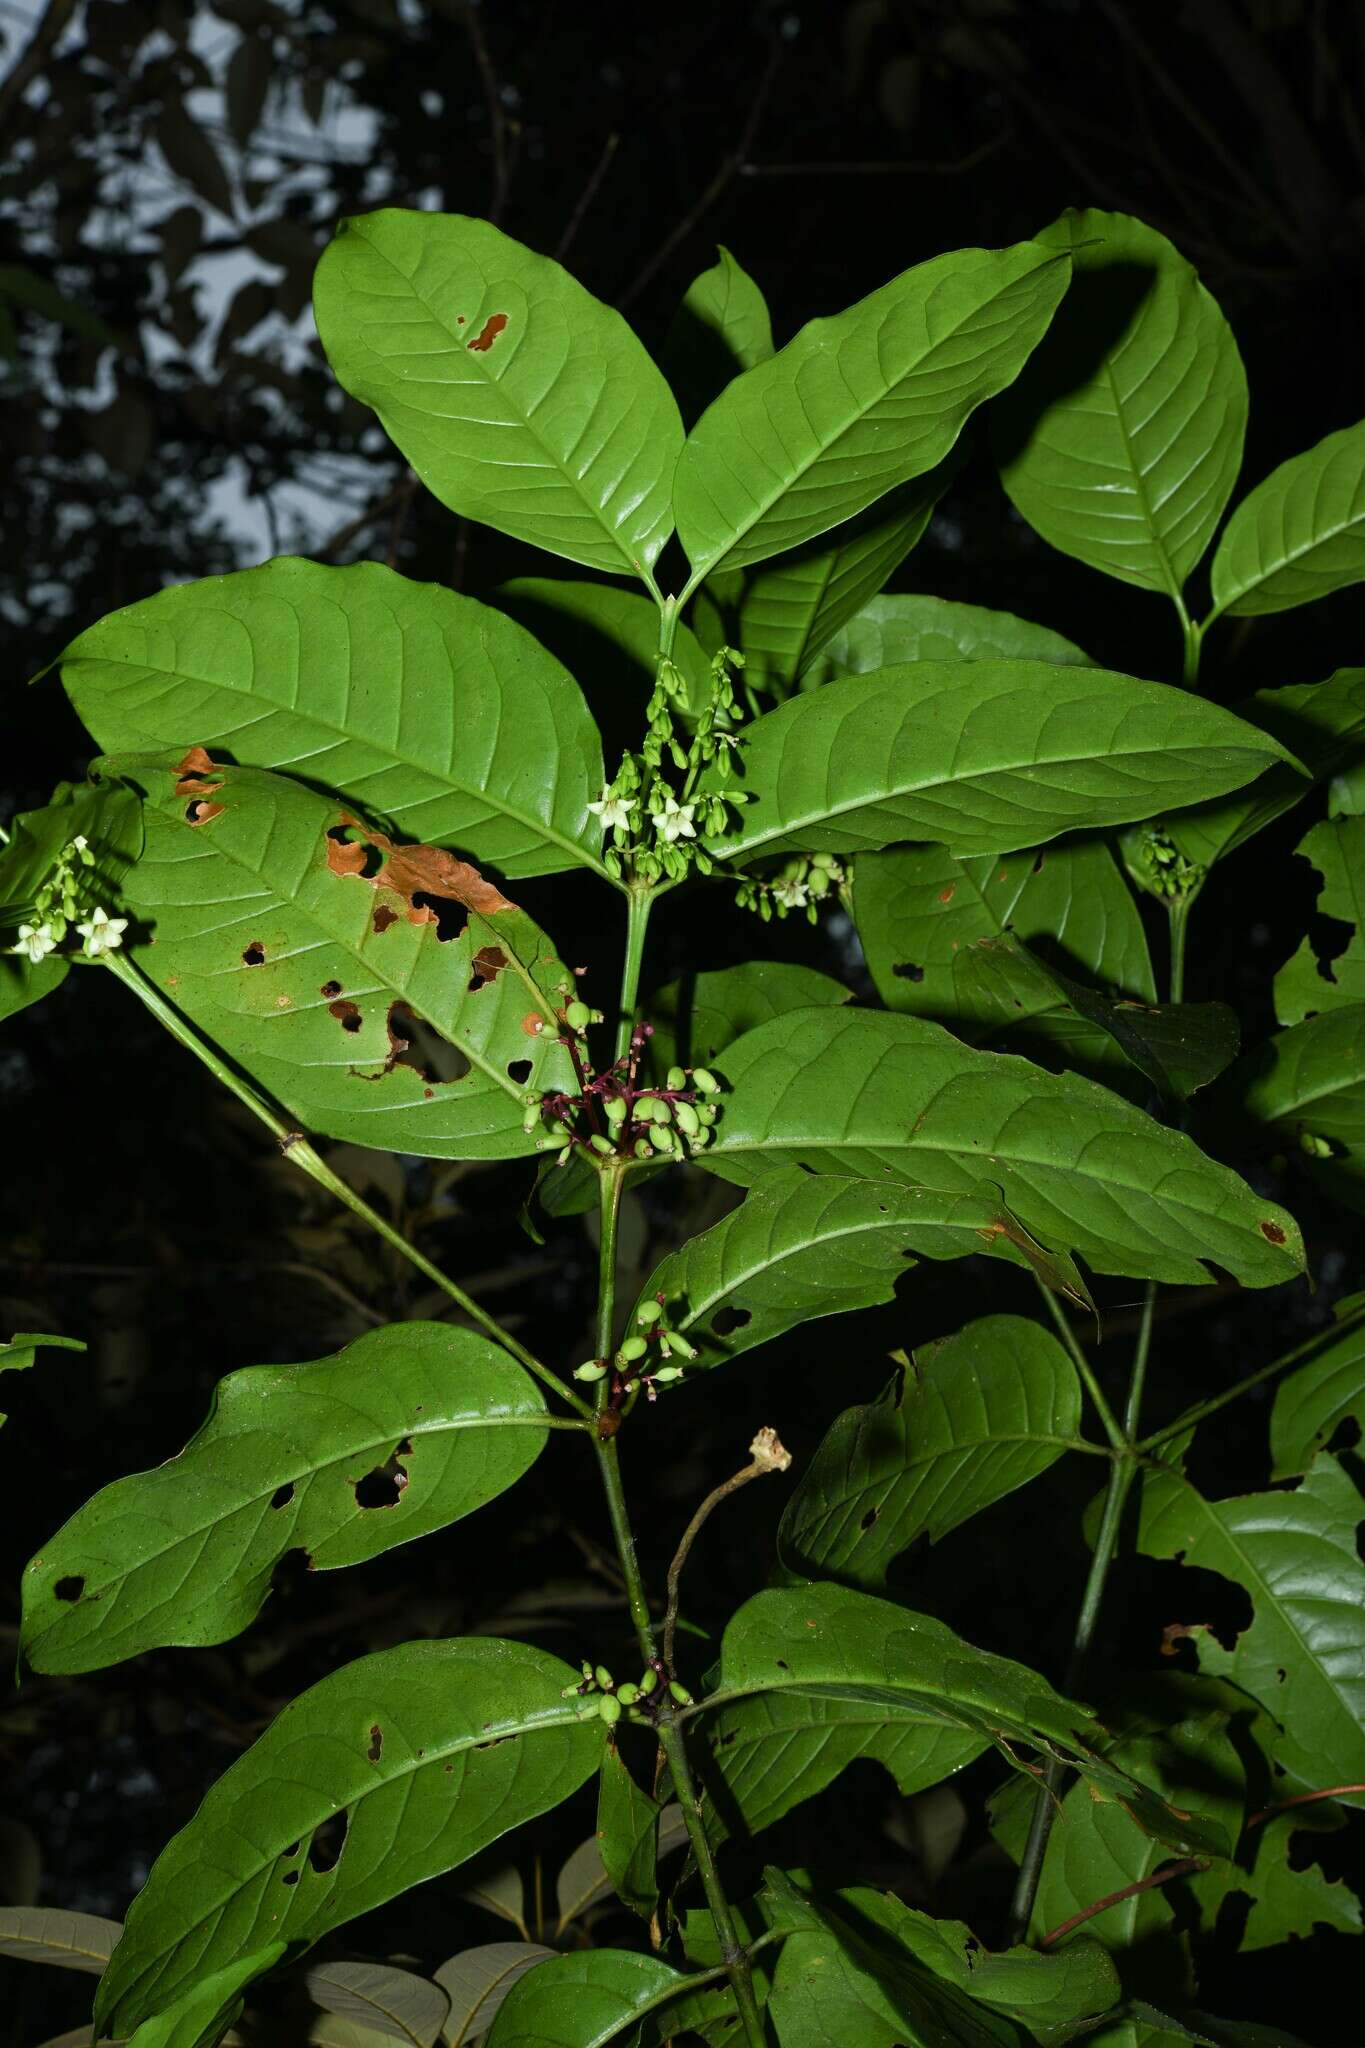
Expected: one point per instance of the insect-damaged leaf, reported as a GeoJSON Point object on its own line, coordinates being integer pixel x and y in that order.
{"type": "Point", "coordinates": [19, 1352]}
{"type": "Point", "coordinates": [812, 1677]}
{"type": "Point", "coordinates": [310, 949]}
{"type": "Point", "coordinates": [518, 398]}
{"type": "Point", "coordinates": [310, 1828]}
{"type": "Point", "coordinates": [1312, 1404]}
{"type": "Point", "coordinates": [896, 1098]}
{"type": "Point", "coordinates": [424, 707]}
{"type": "Point", "coordinates": [1329, 967]}
{"type": "Point", "coordinates": [697, 1016]}
{"type": "Point", "coordinates": [1306, 1085]}
{"type": "Point", "coordinates": [809, 1245]}
{"type": "Point", "coordinates": [973, 1417]}
{"type": "Point", "coordinates": [907, 626]}
{"type": "Point", "coordinates": [336, 1461]}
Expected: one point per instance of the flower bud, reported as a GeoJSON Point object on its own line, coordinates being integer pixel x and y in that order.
{"type": "Point", "coordinates": [609, 1707]}
{"type": "Point", "coordinates": [531, 1121]}
{"type": "Point", "coordinates": [686, 1118]}
{"type": "Point", "coordinates": [705, 1081]}
{"type": "Point", "coordinates": [533, 1098]}
{"type": "Point", "coordinates": [578, 1016]}
{"type": "Point", "coordinates": [643, 1149]}
{"type": "Point", "coordinates": [703, 1135]}
{"type": "Point", "coordinates": [661, 1139]}
{"type": "Point", "coordinates": [603, 1677]}
{"type": "Point", "coordinates": [707, 1112]}
{"type": "Point", "coordinates": [633, 1348]}
{"type": "Point", "coordinates": [649, 1110]}
{"type": "Point", "coordinates": [601, 1144]}
{"type": "Point", "coordinates": [676, 1078]}
{"type": "Point", "coordinates": [593, 1370]}
{"type": "Point", "coordinates": [614, 1109]}
{"type": "Point", "coordinates": [648, 1682]}
{"type": "Point", "coordinates": [628, 1694]}
{"type": "Point", "coordinates": [648, 1312]}
{"type": "Point", "coordinates": [680, 1693]}
{"type": "Point", "coordinates": [666, 1374]}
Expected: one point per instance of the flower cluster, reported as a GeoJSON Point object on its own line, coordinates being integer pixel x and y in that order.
{"type": "Point", "coordinates": [656, 828]}
{"type": "Point", "coordinates": [641, 1698]}
{"type": "Point", "coordinates": [642, 1359]}
{"type": "Point", "coordinates": [1157, 865]}
{"type": "Point", "coordinates": [617, 1113]}
{"type": "Point", "coordinates": [801, 883]}
{"type": "Point", "coordinates": [56, 908]}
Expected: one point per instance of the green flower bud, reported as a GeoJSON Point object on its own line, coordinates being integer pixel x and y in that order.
{"type": "Point", "coordinates": [662, 1140]}
{"type": "Point", "coordinates": [666, 1374]}
{"type": "Point", "coordinates": [609, 1707]}
{"type": "Point", "coordinates": [578, 1016]}
{"type": "Point", "coordinates": [649, 1110]}
{"type": "Point", "coordinates": [643, 1149]}
{"type": "Point", "coordinates": [531, 1121]}
{"type": "Point", "coordinates": [593, 1370]}
{"type": "Point", "coordinates": [676, 1078]}
{"type": "Point", "coordinates": [633, 1348]}
{"type": "Point", "coordinates": [707, 1112]}
{"type": "Point", "coordinates": [680, 1693]}
{"type": "Point", "coordinates": [603, 1677]}
{"type": "Point", "coordinates": [533, 1098]}
{"type": "Point", "coordinates": [648, 1312]}
{"type": "Point", "coordinates": [686, 1118]}
{"type": "Point", "coordinates": [601, 1144]}
{"type": "Point", "coordinates": [703, 1136]}
{"type": "Point", "coordinates": [586, 1669]}
{"type": "Point", "coordinates": [705, 1082]}
{"type": "Point", "coordinates": [628, 1695]}
{"type": "Point", "coordinates": [648, 1682]}
{"type": "Point", "coordinates": [614, 1109]}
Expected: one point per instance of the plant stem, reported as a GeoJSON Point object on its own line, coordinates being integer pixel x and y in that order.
{"type": "Point", "coordinates": [1194, 638]}
{"type": "Point", "coordinates": [1177, 916]}
{"type": "Point", "coordinates": [1108, 1419]}
{"type": "Point", "coordinates": [300, 1153]}
{"type": "Point", "coordinates": [735, 1955]}
{"type": "Point", "coordinates": [1204, 1409]}
{"type": "Point", "coordinates": [639, 903]}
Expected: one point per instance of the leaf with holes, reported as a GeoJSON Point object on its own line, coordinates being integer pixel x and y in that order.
{"type": "Point", "coordinates": [812, 1677]}
{"type": "Point", "coordinates": [20, 1351]}
{"type": "Point", "coordinates": [394, 2003]}
{"type": "Point", "coordinates": [1306, 1087]}
{"type": "Point", "coordinates": [310, 949]}
{"type": "Point", "coordinates": [425, 708]}
{"type": "Point", "coordinates": [581, 2001]}
{"type": "Point", "coordinates": [806, 1245]}
{"type": "Point", "coordinates": [1302, 1655]}
{"type": "Point", "coordinates": [1122, 440]}
{"type": "Point", "coordinates": [405, 1431]}
{"type": "Point", "coordinates": [906, 626]}
{"type": "Point", "coordinates": [517, 397]}
{"type": "Point", "coordinates": [309, 1828]}
{"type": "Point", "coordinates": [1298, 535]}
{"type": "Point", "coordinates": [974, 1417]}
{"type": "Point", "coordinates": [1324, 975]}
{"type": "Point", "coordinates": [696, 1017]}
{"type": "Point", "coordinates": [859, 403]}
{"type": "Point", "coordinates": [899, 1099]}
{"type": "Point", "coordinates": [43, 1934]}
{"type": "Point", "coordinates": [478, 1980]}
{"type": "Point", "coordinates": [791, 609]}
{"type": "Point", "coordinates": [984, 756]}
{"type": "Point", "coordinates": [1312, 1404]}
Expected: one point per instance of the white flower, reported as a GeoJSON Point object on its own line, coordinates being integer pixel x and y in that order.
{"type": "Point", "coordinates": [614, 811]}
{"type": "Point", "coordinates": [36, 941]}
{"type": "Point", "coordinates": [102, 933]}
{"type": "Point", "coordinates": [792, 892]}
{"type": "Point", "coordinates": [674, 821]}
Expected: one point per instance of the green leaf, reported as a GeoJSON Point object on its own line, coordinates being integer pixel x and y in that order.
{"type": "Point", "coordinates": [44, 1934]}
{"type": "Point", "coordinates": [583, 1881]}
{"type": "Point", "coordinates": [909, 627]}
{"type": "Point", "coordinates": [517, 397]}
{"type": "Point", "coordinates": [984, 756]}
{"type": "Point", "coordinates": [395, 2003]}
{"type": "Point", "coordinates": [425, 708]}
{"type": "Point", "coordinates": [109, 819]}
{"type": "Point", "coordinates": [324, 981]}
{"type": "Point", "coordinates": [1307, 1086]}
{"type": "Point", "coordinates": [835, 1987]}
{"type": "Point", "coordinates": [1149, 2028]}
{"type": "Point", "coordinates": [859, 403]}
{"type": "Point", "coordinates": [806, 1245]}
{"type": "Point", "coordinates": [1303, 1653]}
{"type": "Point", "coordinates": [919, 912]}
{"type": "Point", "coordinates": [812, 1677]}
{"type": "Point", "coordinates": [696, 1017]}
{"type": "Point", "coordinates": [22, 982]}
{"type": "Point", "coordinates": [21, 1351]}
{"type": "Point", "coordinates": [628, 1832]}
{"type": "Point", "coordinates": [1323, 724]}
{"type": "Point", "coordinates": [201, 2014]}
{"type": "Point", "coordinates": [1323, 977]}
{"type": "Point", "coordinates": [897, 1098]}
{"type": "Point", "coordinates": [609, 637]}
{"type": "Point", "coordinates": [584, 2001]}
{"type": "Point", "coordinates": [974, 1417]}
{"type": "Point", "coordinates": [1312, 1403]}
{"type": "Point", "coordinates": [405, 1431]}
{"type": "Point", "coordinates": [478, 1980]}
{"type": "Point", "coordinates": [309, 1828]}
{"type": "Point", "coordinates": [1298, 535]}
{"type": "Point", "coordinates": [722, 327]}
{"type": "Point", "coordinates": [790, 610]}
{"type": "Point", "coordinates": [1122, 441]}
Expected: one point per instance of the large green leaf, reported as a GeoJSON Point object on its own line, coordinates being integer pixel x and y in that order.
{"type": "Point", "coordinates": [1307, 1086]}
{"type": "Point", "coordinates": [478, 1980]}
{"type": "Point", "coordinates": [1298, 535]}
{"type": "Point", "coordinates": [984, 756]}
{"type": "Point", "coordinates": [584, 2001]}
{"type": "Point", "coordinates": [1302, 1655]}
{"type": "Point", "coordinates": [45, 1934]}
{"type": "Point", "coordinates": [834, 1987]}
{"type": "Point", "coordinates": [973, 1417]}
{"type": "Point", "coordinates": [422, 707]}
{"type": "Point", "coordinates": [696, 1017]}
{"type": "Point", "coordinates": [790, 609]}
{"type": "Point", "coordinates": [1121, 442]}
{"type": "Point", "coordinates": [1313, 1403]}
{"type": "Point", "coordinates": [200, 2015]}
{"type": "Point", "coordinates": [1323, 724]}
{"type": "Point", "coordinates": [857, 404]}
{"type": "Point", "coordinates": [919, 912]}
{"type": "Point", "coordinates": [406, 1430]}
{"type": "Point", "coordinates": [628, 1827]}
{"type": "Point", "coordinates": [906, 626]}
{"type": "Point", "coordinates": [813, 1676]}
{"type": "Point", "coordinates": [320, 978]}
{"type": "Point", "coordinates": [24, 981]}
{"type": "Point", "coordinates": [1324, 976]}
{"type": "Point", "coordinates": [393, 2003]}
{"type": "Point", "coordinates": [808, 1245]}
{"type": "Point", "coordinates": [518, 398]}
{"type": "Point", "coordinates": [392, 1770]}
{"type": "Point", "coordinates": [900, 1099]}
{"type": "Point", "coordinates": [609, 637]}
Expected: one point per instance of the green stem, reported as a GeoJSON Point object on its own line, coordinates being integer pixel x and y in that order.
{"type": "Point", "coordinates": [1108, 1419]}
{"type": "Point", "coordinates": [300, 1153]}
{"type": "Point", "coordinates": [639, 903]}
{"type": "Point", "coordinates": [1178, 916]}
{"type": "Point", "coordinates": [735, 1955]}
{"type": "Point", "coordinates": [1192, 1416]}
{"type": "Point", "coordinates": [1194, 638]}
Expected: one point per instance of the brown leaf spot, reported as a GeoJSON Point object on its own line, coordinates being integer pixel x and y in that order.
{"type": "Point", "coordinates": [192, 771]}
{"type": "Point", "coordinates": [947, 895]}
{"type": "Point", "coordinates": [254, 956]}
{"type": "Point", "coordinates": [410, 871]}
{"type": "Point", "coordinates": [376, 1746]}
{"type": "Point", "coordinates": [346, 1013]}
{"type": "Point", "coordinates": [533, 1023]}
{"type": "Point", "coordinates": [198, 811]}
{"type": "Point", "coordinates": [330, 988]}
{"type": "Point", "coordinates": [1272, 1232]}
{"type": "Point", "coordinates": [488, 333]}
{"type": "Point", "coordinates": [487, 964]}
{"type": "Point", "coordinates": [383, 917]}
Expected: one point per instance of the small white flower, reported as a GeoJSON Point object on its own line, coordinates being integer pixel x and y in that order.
{"type": "Point", "coordinates": [674, 821]}
{"type": "Point", "coordinates": [614, 811]}
{"type": "Point", "coordinates": [80, 842]}
{"type": "Point", "coordinates": [36, 941]}
{"type": "Point", "coordinates": [102, 933]}
{"type": "Point", "coordinates": [792, 892]}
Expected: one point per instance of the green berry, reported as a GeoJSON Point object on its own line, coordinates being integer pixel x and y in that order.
{"type": "Point", "coordinates": [615, 1109]}
{"type": "Point", "coordinates": [628, 1694]}
{"type": "Point", "coordinates": [705, 1081]}
{"type": "Point", "coordinates": [648, 1682]}
{"type": "Point", "coordinates": [578, 1016]}
{"type": "Point", "coordinates": [593, 1370]}
{"type": "Point", "coordinates": [609, 1707]}
{"type": "Point", "coordinates": [648, 1312]}
{"type": "Point", "coordinates": [662, 1140]}
{"type": "Point", "coordinates": [680, 1693]}
{"type": "Point", "coordinates": [603, 1677]}
{"type": "Point", "coordinates": [707, 1112]}
{"type": "Point", "coordinates": [643, 1149]}
{"type": "Point", "coordinates": [601, 1144]}
{"type": "Point", "coordinates": [676, 1078]}
{"type": "Point", "coordinates": [633, 1348]}
{"type": "Point", "coordinates": [686, 1118]}
{"type": "Point", "coordinates": [667, 1373]}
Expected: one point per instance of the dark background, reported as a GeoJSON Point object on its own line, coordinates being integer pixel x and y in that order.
{"type": "Point", "coordinates": [169, 174]}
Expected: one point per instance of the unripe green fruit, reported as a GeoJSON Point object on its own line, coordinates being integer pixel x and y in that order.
{"type": "Point", "coordinates": [649, 1110]}
{"type": "Point", "coordinates": [578, 1016]}
{"type": "Point", "coordinates": [705, 1081]}
{"type": "Point", "coordinates": [628, 1694]}
{"type": "Point", "coordinates": [533, 1098]}
{"type": "Point", "coordinates": [531, 1121]}
{"type": "Point", "coordinates": [610, 1709]}
{"type": "Point", "coordinates": [648, 1312]}
{"type": "Point", "coordinates": [676, 1078]}
{"type": "Point", "coordinates": [633, 1348]}
{"type": "Point", "coordinates": [680, 1693]}
{"type": "Point", "coordinates": [593, 1370]}
{"type": "Point", "coordinates": [648, 1682]}
{"type": "Point", "coordinates": [708, 1112]}
{"type": "Point", "coordinates": [686, 1118]}
{"type": "Point", "coordinates": [643, 1149]}
{"type": "Point", "coordinates": [667, 1373]}
{"type": "Point", "coordinates": [660, 1139]}
{"type": "Point", "coordinates": [603, 1145]}
{"type": "Point", "coordinates": [615, 1108]}
{"type": "Point", "coordinates": [703, 1135]}
{"type": "Point", "coordinates": [603, 1677]}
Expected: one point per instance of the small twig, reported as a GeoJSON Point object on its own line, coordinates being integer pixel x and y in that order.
{"type": "Point", "coordinates": [767, 1453]}
{"type": "Point", "coordinates": [1185, 1868]}
{"type": "Point", "coordinates": [1300, 1799]}
{"type": "Point", "coordinates": [728, 168]}
{"type": "Point", "coordinates": [353, 528]}
{"type": "Point", "coordinates": [586, 196]}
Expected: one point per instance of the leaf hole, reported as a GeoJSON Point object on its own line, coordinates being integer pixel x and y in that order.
{"type": "Point", "coordinates": [488, 964]}
{"type": "Point", "coordinates": [254, 956]}
{"type": "Point", "coordinates": [869, 1520]}
{"type": "Point", "coordinates": [330, 988]}
{"type": "Point", "coordinates": [282, 1495]}
{"type": "Point", "coordinates": [70, 1588]}
{"type": "Point", "coordinates": [495, 1741]}
{"type": "Point", "coordinates": [291, 1570]}
{"type": "Point", "coordinates": [290, 1877]}
{"type": "Point", "coordinates": [376, 1744]}
{"type": "Point", "coordinates": [906, 970]}
{"type": "Point", "coordinates": [324, 1851]}
{"type": "Point", "coordinates": [450, 917]}
{"type": "Point", "coordinates": [727, 1320]}
{"type": "Point", "coordinates": [346, 1012]}
{"type": "Point", "coordinates": [383, 1488]}
{"type": "Point", "coordinates": [519, 1071]}
{"type": "Point", "coordinates": [199, 810]}
{"type": "Point", "coordinates": [348, 856]}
